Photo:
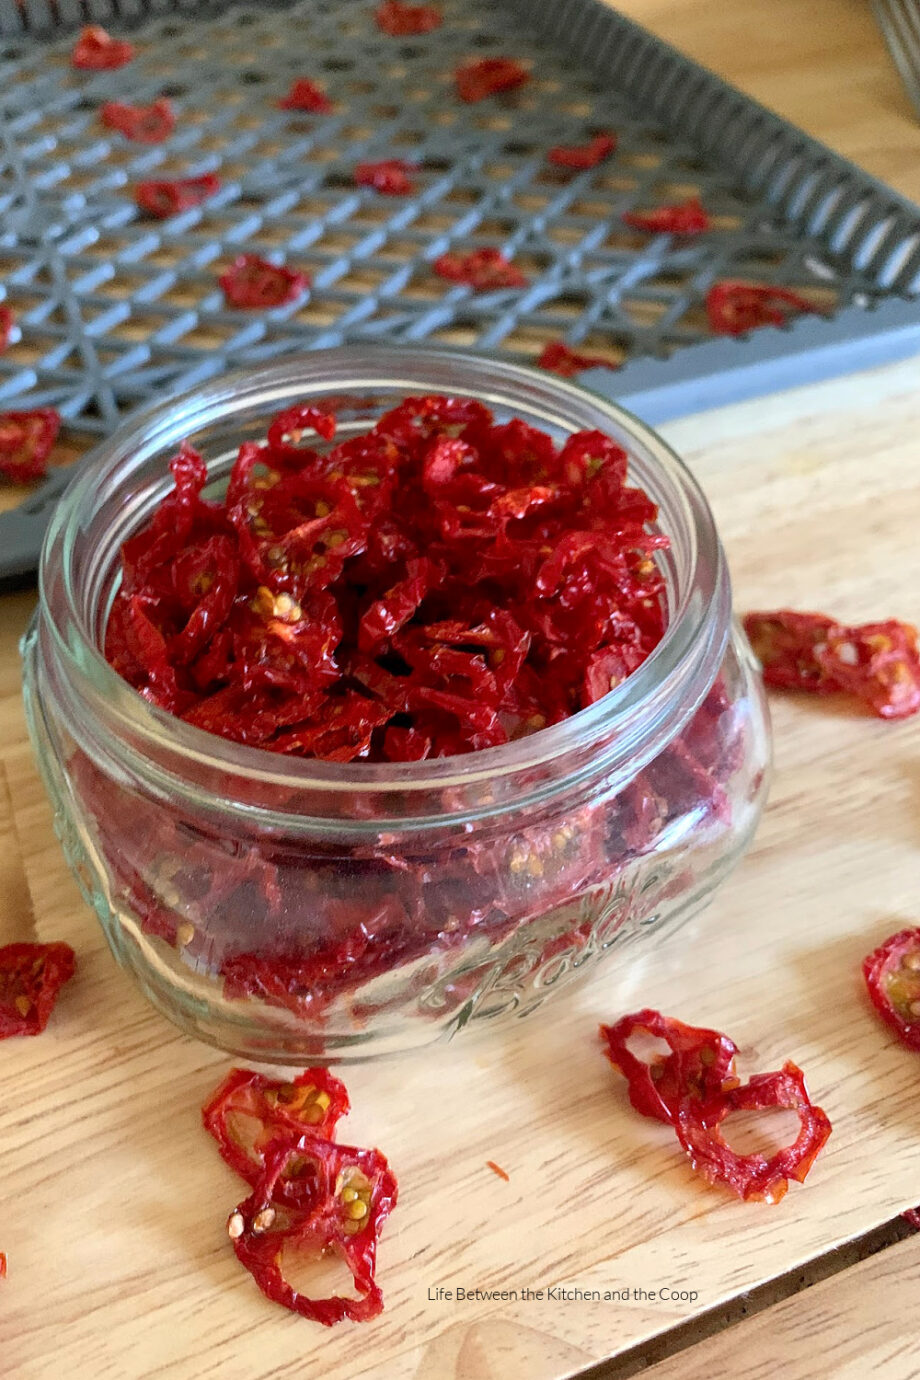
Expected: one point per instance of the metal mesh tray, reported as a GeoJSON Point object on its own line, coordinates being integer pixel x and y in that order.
{"type": "Point", "coordinates": [113, 309]}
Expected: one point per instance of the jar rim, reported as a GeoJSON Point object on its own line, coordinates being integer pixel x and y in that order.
{"type": "Point", "coordinates": [497, 382]}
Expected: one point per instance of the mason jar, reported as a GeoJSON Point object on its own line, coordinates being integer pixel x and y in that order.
{"type": "Point", "coordinates": [298, 910]}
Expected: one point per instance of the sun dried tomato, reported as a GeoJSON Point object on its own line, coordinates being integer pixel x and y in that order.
{"type": "Point", "coordinates": [249, 1111]}
{"type": "Point", "coordinates": [2, 1266]}
{"type": "Point", "coordinates": [7, 320]}
{"type": "Point", "coordinates": [398, 20]}
{"type": "Point", "coordinates": [251, 282]}
{"type": "Point", "coordinates": [584, 155]}
{"type": "Point", "coordinates": [559, 358]}
{"type": "Point", "coordinates": [700, 1066]}
{"type": "Point", "coordinates": [736, 307]}
{"type": "Point", "coordinates": [97, 51]}
{"type": "Point", "coordinates": [144, 124]}
{"type": "Point", "coordinates": [687, 218]}
{"type": "Point", "coordinates": [306, 95]}
{"type": "Point", "coordinates": [757, 1177]}
{"type": "Point", "coordinates": [483, 269]}
{"type": "Point", "coordinates": [476, 81]}
{"type": "Point", "coordinates": [26, 441]}
{"type": "Point", "coordinates": [287, 429]}
{"type": "Point", "coordinates": [390, 177]}
{"type": "Point", "coordinates": [162, 199]}
{"type": "Point", "coordinates": [31, 975]}
{"type": "Point", "coordinates": [892, 974]}
{"type": "Point", "coordinates": [351, 1193]}
{"type": "Point", "coordinates": [878, 663]}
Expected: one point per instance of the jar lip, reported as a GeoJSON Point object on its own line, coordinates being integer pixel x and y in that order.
{"type": "Point", "coordinates": [358, 368]}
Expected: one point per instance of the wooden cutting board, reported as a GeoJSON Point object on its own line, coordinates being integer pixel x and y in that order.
{"type": "Point", "coordinates": [114, 1200]}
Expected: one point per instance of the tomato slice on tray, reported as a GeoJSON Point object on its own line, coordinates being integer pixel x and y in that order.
{"type": "Point", "coordinates": [26, 441]}
{"type": "Point", "coordinates": [144, 124]}
{"type": "Point", "coordinates": [399, 20]}
{"type": "Point", "coordinates": [97, 51]}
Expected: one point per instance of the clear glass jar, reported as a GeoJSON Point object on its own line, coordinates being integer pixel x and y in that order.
{"type": "Point", "coordinates": [302, 910]}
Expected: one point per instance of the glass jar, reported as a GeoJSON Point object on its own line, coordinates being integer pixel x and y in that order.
{"type": "Point", "coordinates": [298, 910]}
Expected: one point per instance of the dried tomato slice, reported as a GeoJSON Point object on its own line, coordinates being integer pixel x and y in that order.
{"type": "Point", "coordinates": [701, 1064]}
{"type": "Point", "coordinates": [877, 662]}
{"type": "Point", "coordinates": [389, 177]}
{"type": "Point", "coordinates": [755, 1177]}
{"type": "Point", "coordinates": [892, 974]}
{"type": "Point", "coordinates": [475, 81]}
{"type": "Point", "coordinates": [685, 218]}
{"type": "Point", "coordinates": [306, 95]}
{"type": "Point", "coordinates": [483, 269]}
{"type": "Point", "coordinates": [584, 155]}
{"type": "Point", "coordinates": [735, 307]}
{"type": "Point", "coordinates": [162, 199]}
{"type": "Point", "coordinates": [26, 441]}
{"type": "Point", "coordinates": [98, 51]}
{"type": "Point", "coordinates": [2, 1266]}
{"type": "Point", "coordinates": [398, 20]}
{"type": "Point", "coordinates": [251, 282]}
{"type": "Point", "coordinates": [351, 1193]}
{"type": "Point", "coordinates": [7, 320]}
{"type": "Point", "coordinates": [31, 975]}
{"type": "Point", "coordinates": [286, 430]}
{"type": "Point", "coordinates": [144, 124]}
{"type": "Point", "coordinates": [559, 358]}
{"type": "Point", "coordinates": [249, 1111]}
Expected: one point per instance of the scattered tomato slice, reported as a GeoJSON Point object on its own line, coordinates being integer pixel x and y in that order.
{"type": "Point", "coordinates": [390, 177]}
{"type": "Point", "coordinates": [98, 51]}
{"type": "Point", "coordinates": [735, 307]}
{"type": "Point", "coordinates": [892, 974]}
{"type": "Point", "coordinates": [475, 81]}
{"type": "Point", "coordinates": [351, 1193]}
{"type": "Point", "coordinates": [26, 441]}
{"type": "Point", "coordinates": [559, 358]}
{"type": "Point", "coordinates": [399, 20]}
{"type": "Point", "coordinates": [686, 218]}
{"type": "Point", "coordinates": [482, 269]}
{"type": "Point", "coordinates": [700, 1066]}
{"type": "Point", "coordinates": [306, 95]}
{"type": "Point", "coordinates": [31, 975]}
{"type": "Point", "coordinates": [583, 156]}
{"type": "Point", "coordinates": [755, 1177]}
{"type": "Point", "coordinates": [162, 199]}
{"type": "Point", "coordinates": [250, 283]}
{"type": "Point", "coordinates": [144, 124]}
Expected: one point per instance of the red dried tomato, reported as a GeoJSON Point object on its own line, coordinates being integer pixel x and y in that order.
{"type": "Point", "coordinates": [287, 429]}
{"type": "Point", "coordinates": [559, 358]}
{"type": "Point", "coordinates": [350, 1194]}
{"type": "Point", "coordinates": [892, 974]}
{"type": "Point", "coordinates": [687, 218]}
{"type": "Point", "coordinates": [878, 663]}
{"type": "Point", "coordinates": [701, 1064]}
{"type": "Point", "coordinates": [249, 1111]}
{"type": "Point", "coordinates": [755, 1176]}
{"type": "Point", "coordinates": [2, 1266]}
{"type": "Point", "coordinates": [399, 20]}
{"type": "Point", "coordinates": [306, 95]}
{"type": "Point", "coordinates": [476, 81]}
{"type": "Point", "coordinates": [251, 282]}
{"type": "Point", "coordinates": [31, 975]}
{"type": "Point", "coordinates": [390, 177]}
{"type": "Point", "coordinates": [162, 199]}
{"type": "Point", "coordinates": [735, 307]}
{"type": "Point", "coordinates": [7, 320]}
{"type": "Point", "coordinates": [97, 51]}
{"type": "Point", "coordinates": [483, 269]}
{"type": "Point", "coordinates": [584, 155]}
{"type": "Point", "coordinates": [144, 124]}
{"type": "Point", "coordinates": [26, 441]}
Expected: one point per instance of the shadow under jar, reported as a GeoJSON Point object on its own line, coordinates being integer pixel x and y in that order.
{"type": "Point", "coordinates": [303, 910]}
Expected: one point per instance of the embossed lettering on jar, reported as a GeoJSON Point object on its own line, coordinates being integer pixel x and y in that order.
{"type": "Point", "coordinates": [302, 910]}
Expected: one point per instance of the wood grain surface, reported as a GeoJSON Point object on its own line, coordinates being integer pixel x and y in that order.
{"type": "Point", "coordinates": [114, 1199]}
{"type": "Point", "coordinates": [849, 1327]}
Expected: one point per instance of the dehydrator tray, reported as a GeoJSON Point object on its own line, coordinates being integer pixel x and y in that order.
{"type": "Point", "coordinates": [113, 309]}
